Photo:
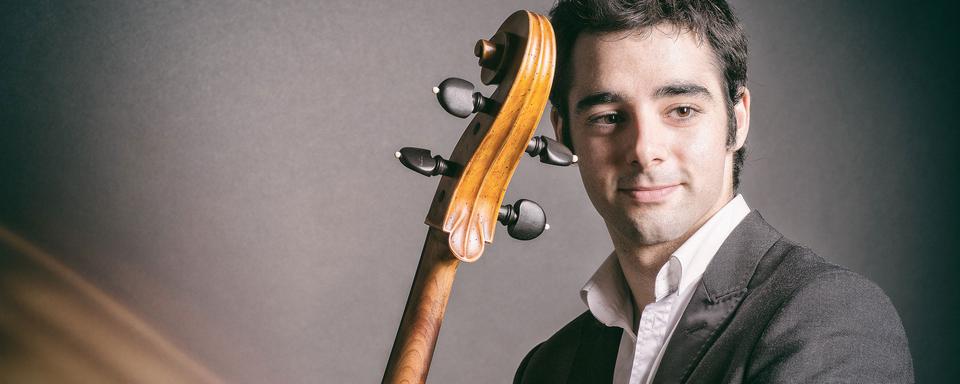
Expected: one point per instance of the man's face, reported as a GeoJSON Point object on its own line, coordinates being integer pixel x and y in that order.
{"type": "Point", "coordinates": [648, 121]}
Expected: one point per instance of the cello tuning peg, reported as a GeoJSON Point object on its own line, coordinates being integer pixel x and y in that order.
{"type": "Point", "coordinates": [420, 161]}
{"type": "Point", "coordinates": [489, 53]}
{"type": "Point", "coordinates": [524, 219]}
{"type": "Point", "coordinates": [550, 151]}
{"type": "Point", "coordinates": [459, 97]}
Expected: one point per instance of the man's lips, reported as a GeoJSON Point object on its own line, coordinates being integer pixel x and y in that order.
{"type": "Point", "coordinates": [651, 194]}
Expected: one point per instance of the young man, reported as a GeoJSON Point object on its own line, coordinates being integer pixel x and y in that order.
{"type": "Point", "coordinates": [652, 97]}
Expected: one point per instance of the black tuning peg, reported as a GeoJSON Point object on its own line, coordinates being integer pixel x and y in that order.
{"type": "Point", "coordinates": [550, 151]}
{"type": "Point", "coordinates": [420, 161]}
{"type": "Point", "coordinates": [459, 98]}
{"type": "Point", "coordinates": [524, 219]}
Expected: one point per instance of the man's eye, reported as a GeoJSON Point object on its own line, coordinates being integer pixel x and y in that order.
{"type": "Point", "coordinates": [607, 119]}
{"type": "Point", "coordinates": [684, 112]}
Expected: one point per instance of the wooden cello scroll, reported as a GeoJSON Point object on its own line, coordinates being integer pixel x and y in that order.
{"type": "Point", "coordinates": [519, 58]}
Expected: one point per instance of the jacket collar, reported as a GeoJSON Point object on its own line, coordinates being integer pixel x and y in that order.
{"type": "Point", "coordinates": [719, 293]}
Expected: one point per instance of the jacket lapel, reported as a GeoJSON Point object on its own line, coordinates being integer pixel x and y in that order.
{"type": "Point", "coordinates": [722, 288]}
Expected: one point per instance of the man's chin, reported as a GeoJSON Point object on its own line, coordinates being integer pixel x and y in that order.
{"type": "Point", "coordinates": [651, 229]}
{"type": "Point", "coordinates": [658, 236]}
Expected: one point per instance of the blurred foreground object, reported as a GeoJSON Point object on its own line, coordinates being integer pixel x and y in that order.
{"type": "Point", "coordinates": [55, 327]}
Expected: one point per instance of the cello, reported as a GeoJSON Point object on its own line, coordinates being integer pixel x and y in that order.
{"type": "Point", "coordinates": [519, 58]}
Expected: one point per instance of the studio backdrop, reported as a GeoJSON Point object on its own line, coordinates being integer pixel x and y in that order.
{"type": "Point", "coordinates": [223, 172]}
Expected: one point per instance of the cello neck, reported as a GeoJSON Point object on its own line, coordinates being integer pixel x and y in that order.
{"type": "Point", "coordinates": [423, 314]}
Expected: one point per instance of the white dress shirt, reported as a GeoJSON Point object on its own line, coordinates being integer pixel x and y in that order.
{"type": "Point", "coordinates": [608, 296]}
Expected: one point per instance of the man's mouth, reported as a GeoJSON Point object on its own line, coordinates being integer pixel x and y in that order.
{"type": "Point", "coordinates": [648, 194]}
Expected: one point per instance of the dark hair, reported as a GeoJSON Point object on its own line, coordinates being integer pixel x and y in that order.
{"type": "Point", "coordinates": [711, 20]}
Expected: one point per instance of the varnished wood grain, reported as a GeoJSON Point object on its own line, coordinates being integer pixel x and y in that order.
{"type": "Point", "coordinates": [492, 145]}
{"type": "Point", "coordinates": [463, 215]}
{"type": "Point", "coordinates": [413, 348]}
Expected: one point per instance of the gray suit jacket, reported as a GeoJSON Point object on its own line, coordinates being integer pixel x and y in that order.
{"type": "Point", "coordinates": [766, 311]}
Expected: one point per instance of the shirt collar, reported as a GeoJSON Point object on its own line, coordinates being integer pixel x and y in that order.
{"type": "Point", "coordinates": [697, 252]}
{"type": "Point", "coordinates": [607, 295]}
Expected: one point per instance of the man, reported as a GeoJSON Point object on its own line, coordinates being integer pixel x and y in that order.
{"type": "Point", "coordinates": [652, 97]}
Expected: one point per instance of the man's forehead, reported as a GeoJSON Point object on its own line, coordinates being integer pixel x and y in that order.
{"type": "Point", "coordinates": [653, 57]}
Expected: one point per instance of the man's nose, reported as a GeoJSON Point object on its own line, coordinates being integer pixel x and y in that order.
{"type": "Point", "coordinates": [647, 143]}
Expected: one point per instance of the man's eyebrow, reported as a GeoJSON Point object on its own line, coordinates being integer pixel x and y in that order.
{"type": "Point", "coordinates": [598, 98]}
{"type": "Point", "coordinates": [683, 89]}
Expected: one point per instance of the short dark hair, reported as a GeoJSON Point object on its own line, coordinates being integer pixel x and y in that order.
{"type": "Point", "coordinates": [712, 20]}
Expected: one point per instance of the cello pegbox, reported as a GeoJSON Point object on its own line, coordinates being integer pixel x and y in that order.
{"type": "Point", "coordinates": [519, 58]}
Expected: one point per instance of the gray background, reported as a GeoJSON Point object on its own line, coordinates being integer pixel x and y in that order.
{"type": "Point", "coordinates": [226, 170]}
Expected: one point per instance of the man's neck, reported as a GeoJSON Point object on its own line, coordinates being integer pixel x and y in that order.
{"type": "Point", "coordinates": [640, 265]}
{"type": "Point", "coordinates": [642, 262]}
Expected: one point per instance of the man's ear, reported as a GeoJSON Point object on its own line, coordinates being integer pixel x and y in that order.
{"type": "Point", "coordinates": [557, 122]}
{"type": "Point", "coordinates": [742, 111]}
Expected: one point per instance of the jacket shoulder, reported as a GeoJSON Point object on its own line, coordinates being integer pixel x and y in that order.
{"type": "Point", "coordinates": [828, 323]}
